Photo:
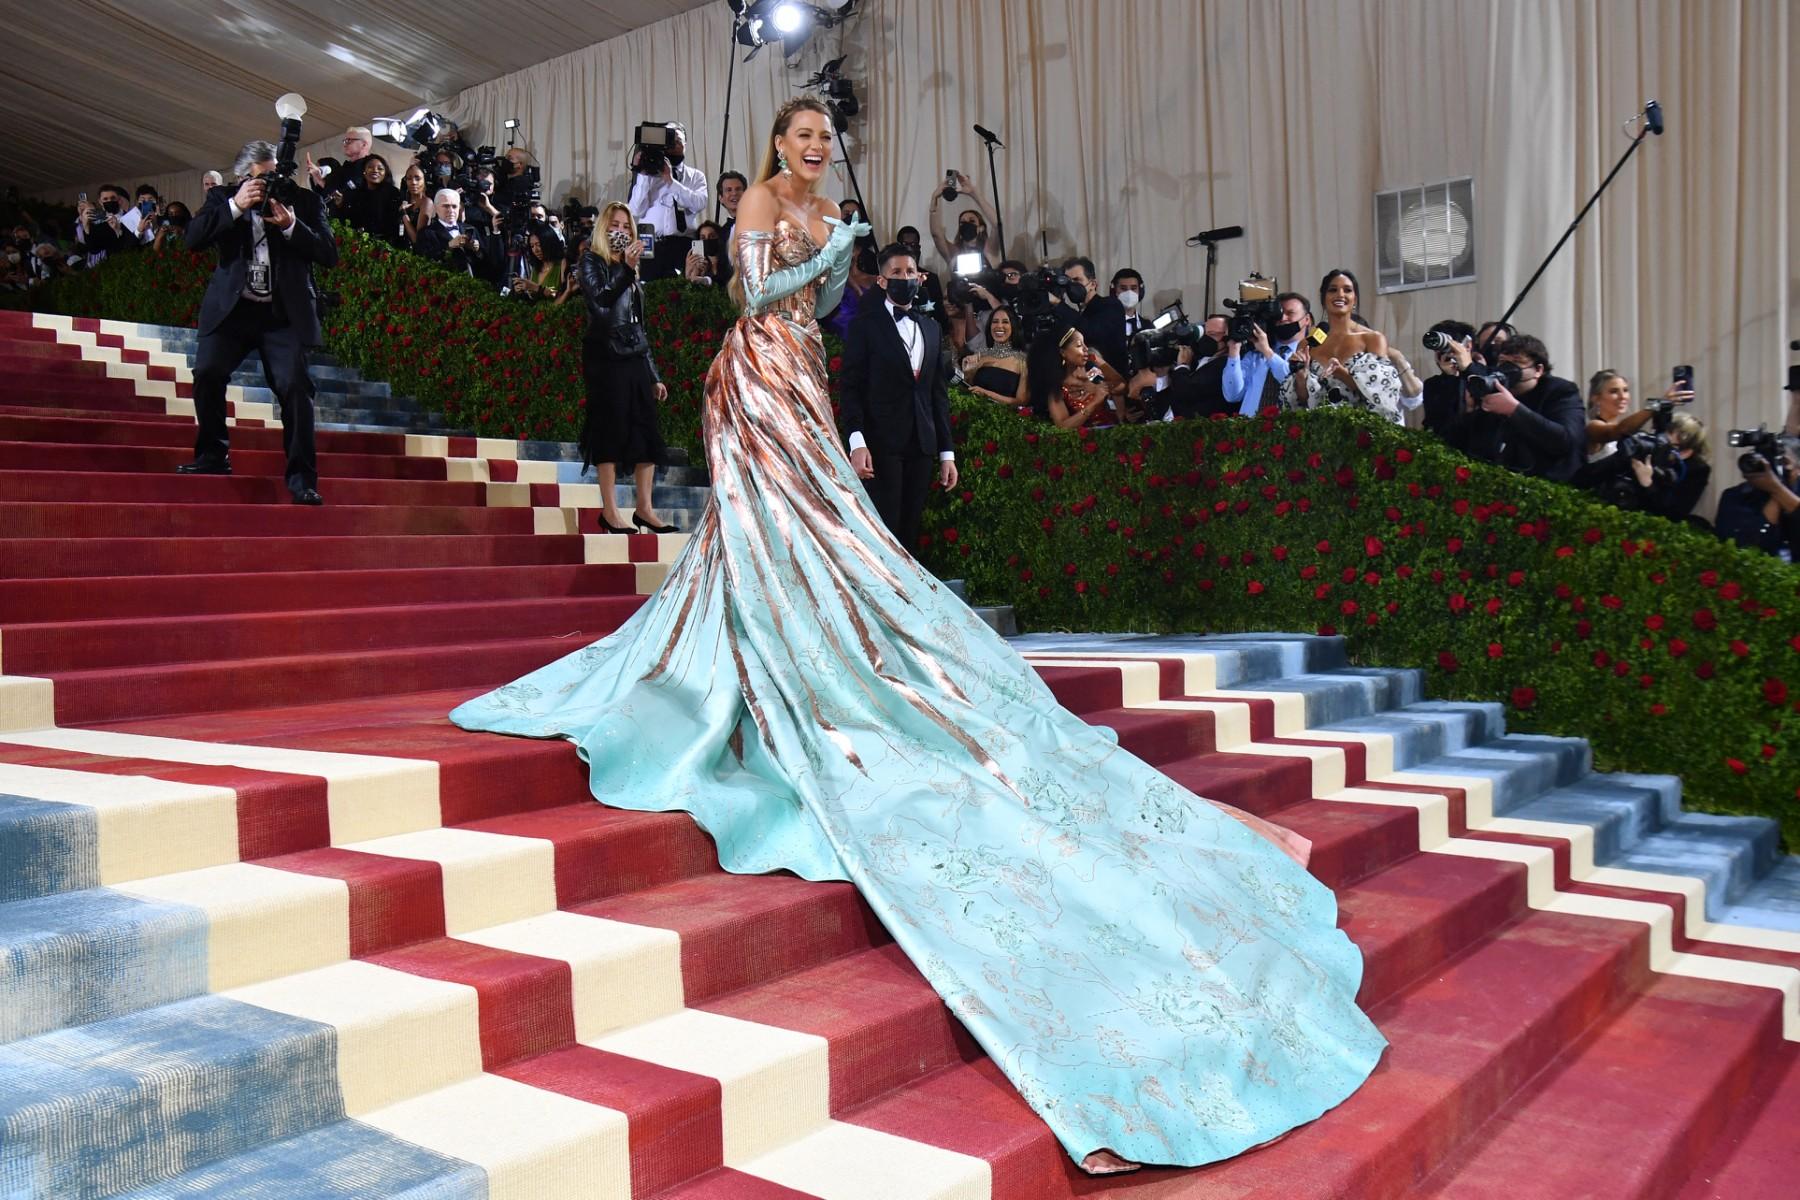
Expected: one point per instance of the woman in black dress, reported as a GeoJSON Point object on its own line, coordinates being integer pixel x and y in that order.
{"type": "Point", "coordinates": [621, 428]}
{"type": "Point", "coordinates": [374, 207]}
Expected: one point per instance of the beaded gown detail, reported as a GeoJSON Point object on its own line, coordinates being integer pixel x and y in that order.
{"type": "Point", "coordinates": [1156, 976]}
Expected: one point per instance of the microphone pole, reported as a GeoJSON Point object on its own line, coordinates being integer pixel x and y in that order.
{"type": "Point", "coordinates": [1653, 123]}
{"type": "Point", "coordinates": [993, 143]}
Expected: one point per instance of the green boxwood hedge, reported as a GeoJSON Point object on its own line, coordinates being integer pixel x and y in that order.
{"type": "Point", "coordinates": [1669, 650]}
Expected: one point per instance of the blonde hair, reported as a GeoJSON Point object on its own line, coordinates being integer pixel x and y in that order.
{"type": "Point", "coordinates": [600, 243]}
{"type": "Point", "coordinates": [771, 167]}
{"type": "Point", "coordinates": [1686, 431]}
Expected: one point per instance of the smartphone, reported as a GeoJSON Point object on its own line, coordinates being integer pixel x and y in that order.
{"type": "Point", "coordinates": [949, 193]}
{"type": "Point", "coordinates": [82, 199]}
{"type": "Point", "coordinates": [1683, 377]}
{"type": "Point", "coordinates": [647, 235]}
{"type": "Point", "coordinates": [712, 247]}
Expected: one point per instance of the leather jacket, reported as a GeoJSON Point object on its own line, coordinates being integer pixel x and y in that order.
{"type": "Point", "coordinates": [615, 304]}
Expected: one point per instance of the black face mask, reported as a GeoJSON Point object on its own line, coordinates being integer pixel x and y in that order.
{"type": "Point", "coordinates": [1006, 291]}
{"type": "Point", "coordinates": [109, 205]}
{"type": "Point", "coordinates": [902, 291]}
{"type": "Point", "coordinates": [677, 159]}
{"type": "Point", "coordinates": [1206, 347]}
{"type": "Point", "coordinates": [967, 231]}
{"type": "Point", "coordinates": [1285, 332]}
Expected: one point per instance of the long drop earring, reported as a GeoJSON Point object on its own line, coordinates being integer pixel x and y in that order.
{"type": "Point", "coordinates": [781, 161]}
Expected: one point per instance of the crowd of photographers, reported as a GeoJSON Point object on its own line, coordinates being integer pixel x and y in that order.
{"type": "Point", "coordinates": [1060, 340]}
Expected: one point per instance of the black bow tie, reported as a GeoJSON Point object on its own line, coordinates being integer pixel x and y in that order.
{"type": "Point", "coordinates": [903, 314]}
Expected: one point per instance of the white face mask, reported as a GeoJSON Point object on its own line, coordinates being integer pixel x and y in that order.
{"type": "Point", "coordinates": [12, 256]}
{"type": "Point", "coordinates": [1129, 299]}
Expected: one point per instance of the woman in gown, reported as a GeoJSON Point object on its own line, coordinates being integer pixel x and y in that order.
{"type": "Point", "coordinates": [1356, 365]}
{"type": "Point", "coordinates": [1158, 978]}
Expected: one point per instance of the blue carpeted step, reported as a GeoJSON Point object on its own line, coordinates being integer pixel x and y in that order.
{"type": "Point", "coordinates": [88, 1112]}
{"type": "Point", "coordinates": [1772, 902]}
{"type": "Point", "coordinates": [74, 958]}
{"type": "Point", "coordinates": [345, 1160]}
{"type": "Point", "coordinates": [46, 847]}
{"type": "Point", "coordinates": [1424, 731]}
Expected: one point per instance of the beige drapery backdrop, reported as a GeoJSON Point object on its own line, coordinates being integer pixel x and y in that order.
{"type": "Point", "coordinates": [1131, 124]}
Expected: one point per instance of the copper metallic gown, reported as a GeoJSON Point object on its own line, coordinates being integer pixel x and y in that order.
{"type": "Point", "coordinates": [1155, 977]}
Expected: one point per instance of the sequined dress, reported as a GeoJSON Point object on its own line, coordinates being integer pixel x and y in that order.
{"type": "Point", "coordinates": [1154, 975]}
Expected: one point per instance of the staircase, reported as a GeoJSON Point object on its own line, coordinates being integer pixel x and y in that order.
{"type": "Point", "coordinates": [270, 926]}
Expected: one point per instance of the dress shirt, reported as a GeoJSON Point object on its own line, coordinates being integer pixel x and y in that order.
{"type": "Point", "coordinates": [906, 323]}
{"type": "Point", "coordinates": [654, 199]}
{"type": "Point", "coordinates": [259, 247]}
{"type": "Point", "coordinates": [1243, 383]}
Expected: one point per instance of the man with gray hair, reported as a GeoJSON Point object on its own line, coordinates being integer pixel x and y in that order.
{"type": "Point", "coordinates": [211, 180]}
{"type": "Point", "coordinates": [359, 144]}
{"type": "Point", "coordinates": [261, 297]}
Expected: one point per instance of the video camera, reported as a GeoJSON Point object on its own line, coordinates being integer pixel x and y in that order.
{"type": "Point", "coordinates": [1612, 479]}
{"type": "Point", "coordinates": [1764, 449]}
{"type": "Point", "coordinates": [968, 274]}
{"type": "Point", "coordinates": [1255, 305]}
{"type": "Point", "coordinates": [1036, 308]}
{"type": "Point", "coordinates": [1159, 347]}
{"type": "Point", "coordinates": [652, 145]}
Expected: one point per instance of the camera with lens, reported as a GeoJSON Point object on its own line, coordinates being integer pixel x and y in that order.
{"type": "Point", "coordinates": [967, 275]}
{"type": "Point", "coordinates": [652, 145]}
{"type": "Point", "coordinates": [1036, 289]}
{"type": "Point", "coordinates": [1437, 341]}
{"type": "Point", "coordinates": [1764, 449]}
{"type": "Point", "coordinates": [1253, 306]}
{"type": "Point", "coordinates": [1611, 479]}
{"type": "Point", "coordinates": [282, 185]}
{"type": "Point", "coordinates": [1481, 380]}
{"type": "Point", "coordinates": [1159, 347]}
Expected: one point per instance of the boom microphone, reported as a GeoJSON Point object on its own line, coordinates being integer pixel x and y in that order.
{"type": "Point", "coordinates": [1653, 116]}
{"type": "Point", "coordinates": [1211, 236]}
{"type": "Point", "coordinates": [987, 135]}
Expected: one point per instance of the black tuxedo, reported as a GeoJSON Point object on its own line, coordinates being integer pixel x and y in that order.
{"type": "Point", "coordinates": [434, 243]}
{"type": "Point", "coordinates": [281, 329]}
{"type": "Point", "coordinates": [904, 421]}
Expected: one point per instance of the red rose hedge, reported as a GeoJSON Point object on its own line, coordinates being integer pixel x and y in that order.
{"type": "Point", "coordinates": [1587, 620]}
{"type": "Point", "coordinates": [496, 366]}
{"type": "Point", "coordinates": [1669, 650]}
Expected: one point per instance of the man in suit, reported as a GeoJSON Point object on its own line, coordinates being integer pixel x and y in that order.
{"type": "Point", "coordinates": [261, 297]}
{"type": "Point", "coordinates": [1101, 319]}
{"type": "Point", "coordinates": [895, 395]}
{"type": "Point", "coordinates": [448, 241]}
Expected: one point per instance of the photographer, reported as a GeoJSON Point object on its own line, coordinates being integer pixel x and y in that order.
{"type": "Point", "coordinates": [261, 297]}
{"type": "Point", "coordinates": [1763, 512]}
{"type": "Point", "coordinates": [446, 242]}
{"type": "Point", "coordinates": [1633, 458]}
{"type": "Point", "coordinates": [669, 196]}
{"type": "Point", "coordinates": [1255, 384]}
{"type": "Point", "coordinates": [109, 227]}
{"type": "Point", "coordinates": [974, 226]}
{"type": "Point", "coordinates": [1452, 343]}
{"type": "Point", "coordinates": [172, 228]}
{"type": "Point", "coordinates": [1519, 415]}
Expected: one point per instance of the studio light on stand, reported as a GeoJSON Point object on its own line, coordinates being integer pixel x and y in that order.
{"type": "Point", "coordinates": [840, 98]}
{"type": "Point", "coordinates": [759, 23]}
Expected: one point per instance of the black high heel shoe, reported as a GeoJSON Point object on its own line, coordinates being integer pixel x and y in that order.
{"type": "Point", "coordinates": [647, 526]}
{"type": "Point", "coordinates": [608, 527]}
